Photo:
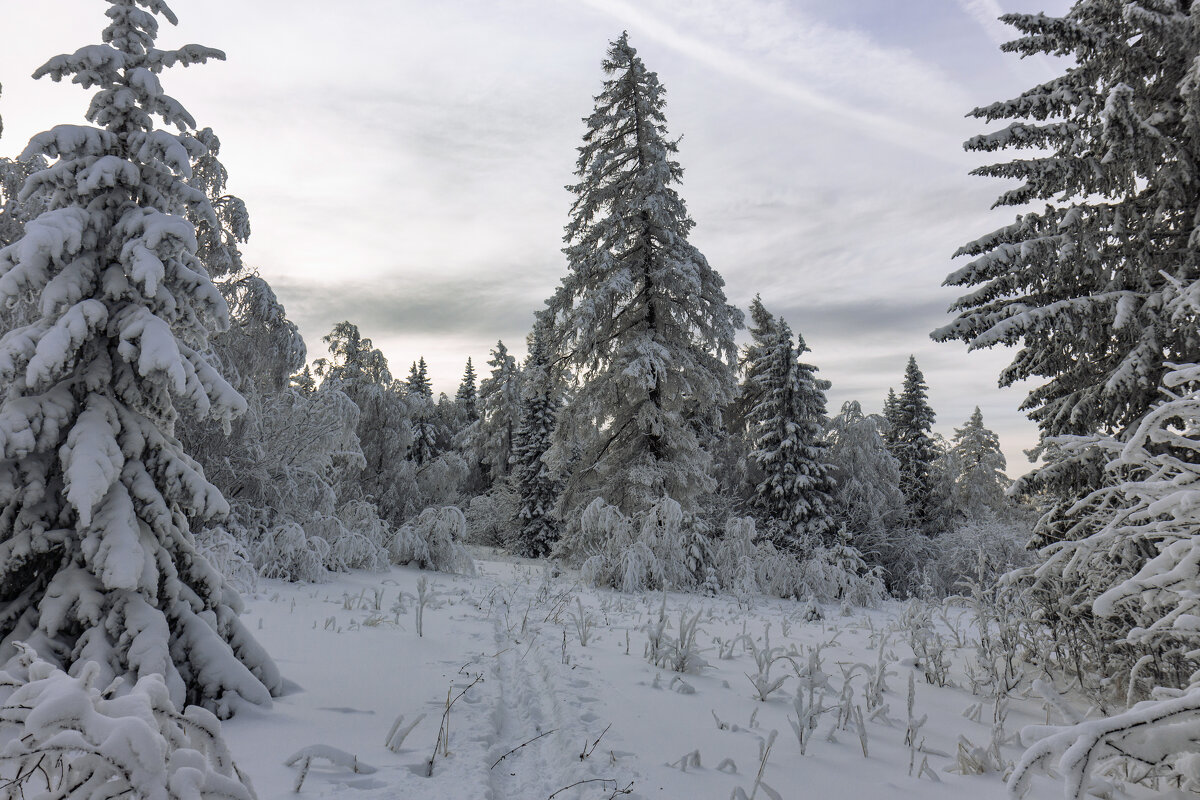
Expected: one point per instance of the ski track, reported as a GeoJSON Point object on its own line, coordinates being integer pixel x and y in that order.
{"type": "Point", "coordinates": [534, 700]}
{"type": "Point", "coordinates": [508, 641]}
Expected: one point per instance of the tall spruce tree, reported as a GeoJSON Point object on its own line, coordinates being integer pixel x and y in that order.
{"type": "Point", "coordinates": [418, 384]}
{"type": "Point", "coordinates": [1082, 284]}
{"type": "Point", "coordinates": [793, 483]}
{"type": "Point", "coordinates": [914, 447]}
{"type": "Point", "coordinates": [97, 496]}
{"type": "Point", "coordinates": [467, 396]}
{"type": "Point", "coordinates": [891, 416]}
{"type": "Point", "coordinates": [492, 436]}
{"type": "Point", "coordinates": [425, 434]}
{"type": "Point", "coordinates": [763, 330]}
{"type": "Point", "coordinates": [536, 485]}
{"type": "Point", "coordinates": [641, 316]}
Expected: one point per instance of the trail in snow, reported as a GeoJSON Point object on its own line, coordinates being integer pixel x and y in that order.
{"type": "Point", "coordinates": [508, 640]}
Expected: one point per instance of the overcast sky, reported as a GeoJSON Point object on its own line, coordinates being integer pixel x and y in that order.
{"type": "Point", "coordinates": [404, 161]}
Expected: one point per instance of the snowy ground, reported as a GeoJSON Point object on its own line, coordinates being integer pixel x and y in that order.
{"type": "Point", "coordinates": [506, 643]}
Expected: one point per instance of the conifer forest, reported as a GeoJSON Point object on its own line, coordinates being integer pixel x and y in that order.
{"type": "Point", "coordinates": [673, 528]}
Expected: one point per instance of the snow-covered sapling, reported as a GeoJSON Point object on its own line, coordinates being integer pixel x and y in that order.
{"type": "Point", "coordinates": [584, 622]}
{"type": "Point", "coordinates": [764, 658]}
{"type": "Point", "coordinates": [424, 595]}
{"type": "Point", "coordinates": [808, 716]}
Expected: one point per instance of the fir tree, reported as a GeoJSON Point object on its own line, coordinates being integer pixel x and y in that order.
{"type": "Point", "coordinates": [499, 413]}
{"type": "Point", "coordinates": [1082, 284]}
{"type": "Point", "coordinates": [536, 486]}
{"type": "Point", "coordinates": [641, 317]}
{"type": "Point", "coordinates": [98, 497]}
{"type": "Point", "coordinates": [764, 330]}
{"type": "Point", "coordinates": [978, 479]}
{"type": "Point", "coordinates": [891, 418]}
{"type": "Point", "coordinates": [787, 424]}
{"type": "Point", "coordinates": [418, 384]}
{"type": "Point", "coordinates": [466, 397]}
{"type": "Point", "coordinates": [914, 446]}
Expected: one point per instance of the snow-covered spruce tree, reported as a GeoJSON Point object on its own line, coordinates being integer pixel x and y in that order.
{"type": "Point", "coordinates": [753, 363]}
{"type": "Point", "coordinates": [68, 738]}
{"type": "Point", "coordinates": [914, 447]}
{"type": "Point", "coordinates": [793, 494]}
{"type": "Point", "coordinates": [1081, 284]}
{"type": "Point", "coordinates": [466, 398]}
{"type": "Point", "coordinates": [979, 481]}
{"type": "Point", "coordinates": [419, 392]}
{"type": "Point", "coordinates": [536, 484]}
{"type": "Point", "coordinates": [418, 380]}
{"type": "Point", "coordinates": [641, 317]}
{"type": "Point", "coordinates": [491, 438]}
{"type": "Point", "coordinates": [891, 409]}
{"type": "Point", "coordinates": [97, 497]}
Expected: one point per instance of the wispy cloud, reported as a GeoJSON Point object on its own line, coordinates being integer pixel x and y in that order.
{"type": "Point", "coordinates": [741, 65]}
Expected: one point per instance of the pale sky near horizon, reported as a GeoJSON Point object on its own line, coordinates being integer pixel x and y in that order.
{"type": "Point", "coordinates": [404, 162]}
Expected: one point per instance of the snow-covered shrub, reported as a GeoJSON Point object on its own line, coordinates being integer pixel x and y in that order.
{"type": "Point", "coordinates": [1151, 518]}
{"type": "Point", "coordinates": [229, 557]}
{"type": "Point", "coordinates": [439, 482]}
{"type": "Point", "coordinates": [288, 553]}
{"type": "Point", "coordinates": [357, 537]}
{"type": "Point", "coordinates": [434, 540]}
{"type": "Point", "coordinates": [996, 546]}
{"type": "Point", "coordinates": [120, 742]}
{"type": "Point", "coordinates": [735, 556]}
{"type": "Point", "coordinates": [490, 516]}
{"type": "Point", "coordinates": [825, 574]}
{"type": "Point", "coordinates": [592, 531]}
{"type": "Point", "coordinates": [1157, 737]}
{"type": "Point", "coordinates": [902, 553]}
{"type": "Point", "coordinates": [838, 572]}
{"type": "Point", "coordinates": [649, 551]}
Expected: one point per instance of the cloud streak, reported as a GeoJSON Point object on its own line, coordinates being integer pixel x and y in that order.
{"type": "Point", "coordinates": [929, 142]}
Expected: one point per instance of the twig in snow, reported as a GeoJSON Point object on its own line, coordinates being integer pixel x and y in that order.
{"type": "Point", "coordinates": [587, 752]}
{"type": "Point", "coordinates": [617, 791]}
{"type": "Point", "coordinates": [522, 744]}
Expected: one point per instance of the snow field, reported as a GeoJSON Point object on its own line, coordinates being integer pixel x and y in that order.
{"type": "Point", "coordinates": [535, 711]}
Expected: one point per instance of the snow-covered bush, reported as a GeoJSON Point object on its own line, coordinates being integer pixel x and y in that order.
{"type": "Point", "coordinates": [434, 540]}
{"type": "Point", "coordinates": [650, 551]}
{"type": "Point", "coordinates": [839, 573]}
{"type": "Point", "coordinates": [825, 574]}
{"type": "Point", "coordinates": [288, 553]}
{"type": "Point", "coordinates": [119, 742]}
{"type": "Point", "coordinates": [490, 516]}
{"type": "Point", "coordinates": [358, 539]}
{"type": "Point", "coordinates": [959, 554]}
{"type": "Point", "coordinates": [229, 556]}
{"type": "Point", "coordinates": [735, 557]}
